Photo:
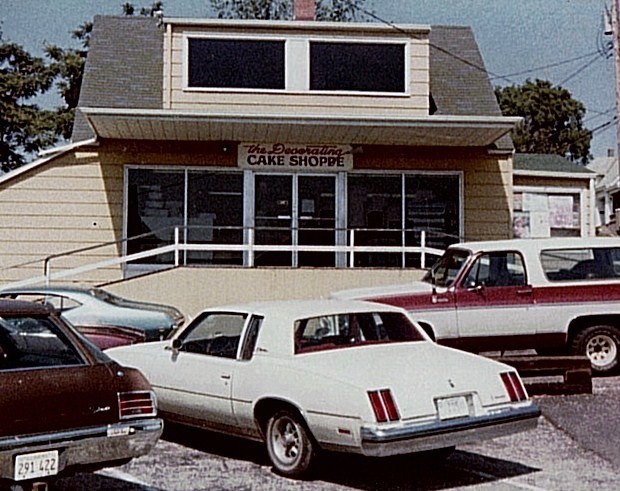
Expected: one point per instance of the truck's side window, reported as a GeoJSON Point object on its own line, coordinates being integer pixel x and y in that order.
{"type": "Point", "coordinates": [581, 264]}
{"type": "Point", "coordinates": [497, 269]}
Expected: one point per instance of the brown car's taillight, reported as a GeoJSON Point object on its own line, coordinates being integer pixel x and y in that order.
{"type": "Point", "coordinates": [383, 405]}
{"type": "Point", "coordinates": [514, 386]}
{"type": "Point", "coordinates": [137, 404]}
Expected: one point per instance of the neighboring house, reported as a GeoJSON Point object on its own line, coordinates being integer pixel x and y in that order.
{"type": "Point", "coordinates": [607, 191]}
{"type": "Point", "coordinates": [264, 138]}
{"type": "Point", "coordinates": [553, 197]}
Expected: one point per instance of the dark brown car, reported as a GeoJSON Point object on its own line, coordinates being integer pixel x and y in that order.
{"type": "Point", "coordinates": [64, 405]}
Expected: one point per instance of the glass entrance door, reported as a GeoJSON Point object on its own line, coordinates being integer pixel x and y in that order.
{"type": "Point", "coordinates": [316, 207]}
{"type": "Point", "coordinates": [273, 217]}
{"type": "Point", "coordinates": [294, 210]}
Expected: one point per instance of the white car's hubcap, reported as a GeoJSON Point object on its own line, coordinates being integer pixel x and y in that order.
{"type": "Point", "coordinates": [601, 350]}
{"type": "Point", "coordinates": [286, 441]}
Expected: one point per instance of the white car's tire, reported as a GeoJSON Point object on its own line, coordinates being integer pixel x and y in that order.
{"type": "Point", "coordinates": [289, 444]}
{"type": "Point", "coordinates": [601, 344]}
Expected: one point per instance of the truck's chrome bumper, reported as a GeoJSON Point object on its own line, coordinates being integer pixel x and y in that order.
{"type": "Point", "coordinates": [411, 438]}
{"type": "Point", "coordinates": [85, 447]}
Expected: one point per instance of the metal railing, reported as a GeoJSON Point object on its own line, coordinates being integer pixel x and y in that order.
{"type": "Point", "coordinates": [179, 246]}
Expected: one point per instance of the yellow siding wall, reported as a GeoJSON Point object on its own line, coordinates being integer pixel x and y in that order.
{"type": "Point", "coordinates": [76, 200]}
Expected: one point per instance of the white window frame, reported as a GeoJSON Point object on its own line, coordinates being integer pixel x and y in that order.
{"type": "Point", "coordinates": [297, 63]}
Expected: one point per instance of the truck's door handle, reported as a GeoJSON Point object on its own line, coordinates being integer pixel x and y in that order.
{"type": "Point", "coordinates": [525, 291]}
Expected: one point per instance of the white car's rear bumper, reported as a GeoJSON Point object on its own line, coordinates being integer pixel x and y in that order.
{"type": "Point", "coordinates": [378, 442]}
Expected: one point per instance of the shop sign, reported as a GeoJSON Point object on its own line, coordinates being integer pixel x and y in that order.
{"type": "Point", "coordinates": [295, 157]}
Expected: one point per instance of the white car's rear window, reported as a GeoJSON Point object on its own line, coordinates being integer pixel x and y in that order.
{"type": "Point", "coordinates": [353, 329]}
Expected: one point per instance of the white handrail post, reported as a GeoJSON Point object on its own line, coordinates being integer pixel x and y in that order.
{"type": "Point", "coordinates": [423, 247]}
{"type": "Point", "coordinates": [176, 246]}
{"type": "Point", "coordinates": [352, 245]}
{"type": "Point", "coordinates": [251, 247]}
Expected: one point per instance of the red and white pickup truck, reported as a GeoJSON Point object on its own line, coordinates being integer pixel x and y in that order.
{"type": "Point", "coordinates": [553, 295]}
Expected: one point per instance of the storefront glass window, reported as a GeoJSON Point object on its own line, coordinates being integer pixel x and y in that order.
{"type": "Point", "coordinates": [215, 215]}
{"type": "Point", "coordinates": [155, 203]}
{"type": "Point", "coordinates": [280, 214]}
{"type": "Point", "coordinates": [432, 206]}
{"type": "Point", "coordinates": [375, 215]}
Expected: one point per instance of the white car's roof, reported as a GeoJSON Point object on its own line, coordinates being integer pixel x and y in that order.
{"type": "Point", "coordinates": [281, 315]}
{"type": "Point", "coordinates": [296, 309]}
{"type": "Point", "coordinates": [538, 244]}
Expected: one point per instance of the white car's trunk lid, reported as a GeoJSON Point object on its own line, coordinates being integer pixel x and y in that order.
{"type": "Point", "coordinates": [416, 373]}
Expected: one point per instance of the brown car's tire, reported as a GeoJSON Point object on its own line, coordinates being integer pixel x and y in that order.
{"type": "Point", "coordinates": [289, 444]}
{"type": "Point", "coordinates": [601, 344]}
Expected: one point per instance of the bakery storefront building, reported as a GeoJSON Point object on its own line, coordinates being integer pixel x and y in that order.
{"type": "Point", "coordinates": [279, 148]}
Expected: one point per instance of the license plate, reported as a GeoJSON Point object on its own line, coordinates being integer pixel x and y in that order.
{"type": "Point", "coordinates": [453, 407]}
{"type": "Point", "coordinates": [32, 465]}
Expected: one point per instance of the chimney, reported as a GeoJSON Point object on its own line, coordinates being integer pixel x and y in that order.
{"type": "Point", "coordinates": [304, 9]}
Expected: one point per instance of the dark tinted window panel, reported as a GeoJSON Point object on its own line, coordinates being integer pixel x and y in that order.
{"type": "Point", "coordinates": [240, 64]}
{"type": "Point", "coordinates": [362, 67]}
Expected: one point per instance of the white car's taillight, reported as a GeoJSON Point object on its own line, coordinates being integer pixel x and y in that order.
{"type": "Point", "coordinates": [137, 404]}
{"type": "Point", "coordinates": [383, 405]}
{"type": "Point", "coordinates": [514, 386]}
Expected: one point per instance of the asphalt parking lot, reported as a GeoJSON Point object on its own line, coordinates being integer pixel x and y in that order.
{"type": "Point", "coordinates": [575, 447]}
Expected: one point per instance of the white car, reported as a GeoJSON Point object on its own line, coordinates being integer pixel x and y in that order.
{"type": "Point", "coordinates": [349, 376]}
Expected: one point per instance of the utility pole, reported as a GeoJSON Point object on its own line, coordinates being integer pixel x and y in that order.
{"type": "Point", "coordinates": [615, 29]}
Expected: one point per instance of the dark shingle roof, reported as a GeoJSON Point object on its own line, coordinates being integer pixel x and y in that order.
{"type": "Point", "coordinates": [124, 68]}
{"type": "Point", "coordinates": [459, 82]}
{"type": "Point", "coordinates": [548, 163]}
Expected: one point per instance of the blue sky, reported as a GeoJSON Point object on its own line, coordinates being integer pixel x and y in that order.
{"type": "Point", "coordinates": [519, 39]}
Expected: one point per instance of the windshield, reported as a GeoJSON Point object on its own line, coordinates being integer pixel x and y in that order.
{"type": "Point", "coordinates": [444, 272]}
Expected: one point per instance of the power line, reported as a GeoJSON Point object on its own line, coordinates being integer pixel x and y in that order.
{"type": "Point", "coordinates": [580, 69]}
{"type": "Point", "coordinates": [551, 65]}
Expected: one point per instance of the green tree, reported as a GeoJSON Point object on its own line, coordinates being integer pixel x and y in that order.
{"type": "Point", "coordinates": [553, 120]}
{"type": "Point", "coordinates": [24, 127]}
{"type": "Point", "coordinates": [68, 65]}
{"type": "Point", "coordinates": [326, 10]}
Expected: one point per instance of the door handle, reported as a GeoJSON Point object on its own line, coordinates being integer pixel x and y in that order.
{"type": "Point", "coordinates": [525, 291]}
{"type": "Point", "coordinates": [225, 376]}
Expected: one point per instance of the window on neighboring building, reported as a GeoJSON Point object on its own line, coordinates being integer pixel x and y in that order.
{"type": "Point", "coordinates": [358, 67]}
{"type": "Point", "coordinates": [546, 214]}
{"type": "Point", "coordinates": [236, 63]}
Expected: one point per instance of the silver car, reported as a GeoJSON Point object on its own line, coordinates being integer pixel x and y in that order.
{"type": "Point", "coordinates": [106, 319]}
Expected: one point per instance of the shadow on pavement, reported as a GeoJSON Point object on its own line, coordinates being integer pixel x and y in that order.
{"type": "Point", "coordinates": [462, 468]}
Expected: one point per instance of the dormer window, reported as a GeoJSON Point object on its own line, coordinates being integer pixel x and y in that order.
{"type": "Point", "coordinates": [357, 67]}
{"type": "Point", "coordinates": [297, 64]}
{"type": "Point", "coordinates": [236, 64]}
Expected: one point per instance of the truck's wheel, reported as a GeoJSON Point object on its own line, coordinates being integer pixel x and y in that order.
{"type": "Point", "coordinates": [601, 344]}
{"type": "Point", "coordinates": [289, 444]}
